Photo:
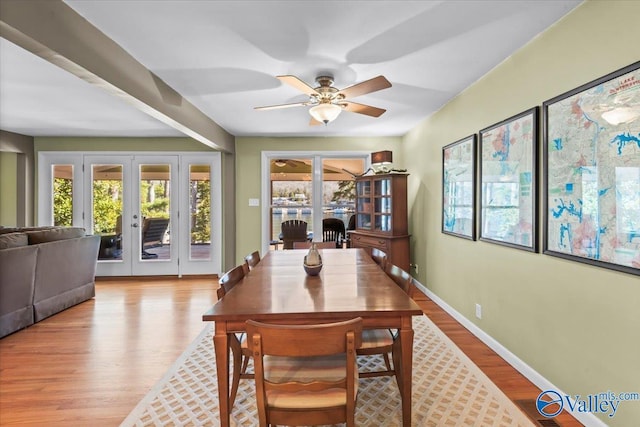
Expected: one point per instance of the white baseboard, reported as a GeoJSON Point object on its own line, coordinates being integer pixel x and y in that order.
{"type": "Point", "coordinates": [586, 418]}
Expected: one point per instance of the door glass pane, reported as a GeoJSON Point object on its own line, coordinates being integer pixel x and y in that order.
{"type": "Point", "coordinates": [107, 209]}
{"type": "Point", "coordinates": [291, 194]}
{"type": "Point", "coordinates": [155, 192]}
{"type": "Point", "coordinates": [62, 195]}
{"type": "Point", "coordinates": [200, 212]}
{"type": "Point", "coordinates": [339, 192]}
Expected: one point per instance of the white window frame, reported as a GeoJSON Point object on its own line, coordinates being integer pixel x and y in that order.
{"type": "Point", "coordinates": [316, 165]}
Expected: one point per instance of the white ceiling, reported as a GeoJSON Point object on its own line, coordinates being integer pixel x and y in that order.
{"type": "Point", "coordinates": [223, 57]}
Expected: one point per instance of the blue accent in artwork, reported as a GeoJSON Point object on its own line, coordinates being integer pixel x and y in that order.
{"type": "Point", "coordinates": [623, 139]}
{"type": "Point", "coordinates": [568, 187]}
{"type": "Point", "coordinates": [603, 191]}
{"type": "Point", "coordinates": [449, 222]}
{"type": "Point", "coordinates": [503, 155]}
{"type": "Point", "coordinates": [571, 209]}
{"type": "Point", "coordinates": [557, 142]}
{"type": "Point", "coordinates": [565, 232]}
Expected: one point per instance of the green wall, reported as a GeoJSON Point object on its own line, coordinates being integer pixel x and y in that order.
{"type": "Point", "coordinates": [248, 174]}
{"type": "Point", "coordinates": [577, 325]}
{"type": "Point", "coordinates": [8, 189]}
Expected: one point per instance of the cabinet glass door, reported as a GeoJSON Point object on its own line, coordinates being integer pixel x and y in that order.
{"type": "Point", "coordinates": [382, 205]}
{"type": "Point", "coordinates": [363, 220]}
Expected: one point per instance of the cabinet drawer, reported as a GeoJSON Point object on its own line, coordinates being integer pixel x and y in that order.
{"type": "Point", "coordinates": [360, 241]}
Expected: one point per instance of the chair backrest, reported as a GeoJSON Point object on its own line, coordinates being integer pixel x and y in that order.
{"type": "Point", "coordinates": [340, 339]}
{"type": "Point", "coordinates": [352, 222]}
{"type": "Point", "coordinates": [333, 231]}
{"type": "Point", "coordinates": [380, 257]}
{"type": "Point", "coordinates": [153, 230]}
{"type": "Point", "coordinates": [400, 276]}
{"type": "Point", "coordinates": [252, 260]}
{"type": "Point", "coordinates": [319, 245]}
{"type": "Point", "coordinates": [230, 279]}
{"type": "Point", "coordinates": [293, 230]}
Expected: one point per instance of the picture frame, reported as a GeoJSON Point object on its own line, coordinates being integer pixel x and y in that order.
{"type": "Point", "coordinates": [508, 181]}
{"type": "Point", "coordinates": [459, 188]}
{"type": "Point", "coordinates": [591, 155]}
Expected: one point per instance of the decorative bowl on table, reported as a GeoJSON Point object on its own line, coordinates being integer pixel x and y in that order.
{"type": "Point", "coordinates": [312, 270]}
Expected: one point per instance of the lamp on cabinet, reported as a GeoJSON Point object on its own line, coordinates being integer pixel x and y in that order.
{"type": "Point", "coordinates": [380, 161]}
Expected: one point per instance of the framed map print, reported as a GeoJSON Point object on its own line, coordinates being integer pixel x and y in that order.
{"type": "Point", "coordinates": [592, 168]}
{"type": "Point", "coordinates": [459, 188]}
{"type": "Point", "coordinates": [508, 164]}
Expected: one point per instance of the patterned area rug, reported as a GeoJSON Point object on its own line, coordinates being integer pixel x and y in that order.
{"type": "Point", "coordinates": [448, 390]}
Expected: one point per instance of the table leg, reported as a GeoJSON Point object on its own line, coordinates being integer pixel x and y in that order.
{"type": "Point", "coordinates": [403, 365]}
{"type": "Point", "coordinates": [221, 346]}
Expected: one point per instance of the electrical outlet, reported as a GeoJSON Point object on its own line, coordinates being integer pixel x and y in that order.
{"type": "Point", "coordinates": [478, 311]}
{"type": "Point", "coordinates": [415, 267]}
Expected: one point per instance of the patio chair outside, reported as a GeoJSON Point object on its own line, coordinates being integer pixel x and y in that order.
{"type": "Point", "coordinates": [293, 230]}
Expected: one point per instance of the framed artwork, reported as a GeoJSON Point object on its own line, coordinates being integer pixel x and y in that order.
{"type": "Point", "coordinates": [459, 188]}
{"type": "Point", "coordinates": [592, 169]}
{"type": "Point", "coordinates": [508, 190]}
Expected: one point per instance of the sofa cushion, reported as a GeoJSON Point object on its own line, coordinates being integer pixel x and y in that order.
{"type": "Point", "coordinates": [6, 230]}
{"type": "Point", "coordinates": [13, 240]}
{"type": "Point", "coordinates": [63, 233]}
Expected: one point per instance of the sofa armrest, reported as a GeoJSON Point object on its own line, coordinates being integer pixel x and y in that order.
{"type": "Point", "coordinates": [64, 266]}
{"type": "Point", "coordinates": [18, 267]}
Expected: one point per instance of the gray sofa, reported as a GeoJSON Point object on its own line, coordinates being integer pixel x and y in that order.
{"type": "Point", "coordinates": [42, 272]}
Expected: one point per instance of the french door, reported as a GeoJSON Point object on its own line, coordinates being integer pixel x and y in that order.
{"type": "Point", "coordinates": [156, 214]}
{"type": "Point", "coordinates": [128, 198]}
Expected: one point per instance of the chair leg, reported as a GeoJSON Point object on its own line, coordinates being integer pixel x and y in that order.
{"type": "Point", "coordinates": [386, 361]}
{"type": "Point", "coordinates": [245, 364]}
{"type": "Point", "coordinates": [235, 381]}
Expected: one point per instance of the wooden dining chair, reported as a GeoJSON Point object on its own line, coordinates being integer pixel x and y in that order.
{"type": "Point", "coordinates": [379, 257]}
{"type": "Point", "coordinates": [237, 342]}
{"type": "Point", "coordinates": [380, 341]}
{"type": "Point", "coordinates": [293, 230]}
{"type": "Point", "coordinates": [319, 245]}
{"type": "Point", "coordinates": [305, 374]}
{"type": "Point", "coordinates": [251, 260]}
{"type": "Point", "coordinates": [333, 230]}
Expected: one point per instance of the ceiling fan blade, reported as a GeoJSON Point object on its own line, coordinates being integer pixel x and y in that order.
{"type": "Point", "coordinates": [367, 86]}
{"type": "Point", "coordinates": [275, 107]}
{"type": "Point", "coordinates": [314, 122]}
{"type": "Point", "coordinates": [298, 84]}
{"type": "Point", "coordinates": [354, 107]}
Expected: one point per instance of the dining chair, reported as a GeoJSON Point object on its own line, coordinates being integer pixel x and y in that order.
{"type": "Point", "coordinates": [319, 245]}
{"type": "Point", "coordinates": [238, 341]}
{"type": "Point", "coordinates": [293, 230]}
{"type": "Point", "coordinates": [380, 341]}
{"type": "Point", "coordinates": [380, 257]}
{"type": "Point", "coordinates": [333, 231]}
{"type": "Point", "coordinates": [251, 260]}
{"type": "Point", "coordinates": [305, 374]}
{"type": "Point", "coordinates": [351, 226]}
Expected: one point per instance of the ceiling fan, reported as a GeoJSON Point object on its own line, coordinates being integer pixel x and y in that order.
{"type": "Point", "coordinates": [327, 101]}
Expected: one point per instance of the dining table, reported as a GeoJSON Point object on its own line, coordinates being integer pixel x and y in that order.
{"type": "Point", "coordinates": [350, 284]}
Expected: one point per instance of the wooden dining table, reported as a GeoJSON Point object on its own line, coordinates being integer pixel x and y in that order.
{"type": "Point", "coordinates": [350, 285]}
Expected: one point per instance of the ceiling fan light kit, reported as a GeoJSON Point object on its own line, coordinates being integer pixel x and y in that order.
{"type": "Point", "coordinates": [327, 101]}
{"type": "Point", "coordinates": [325, 113]}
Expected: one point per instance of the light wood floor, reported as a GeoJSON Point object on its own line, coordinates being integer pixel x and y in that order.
{"type": "Point", "coordinates": [91, 364]}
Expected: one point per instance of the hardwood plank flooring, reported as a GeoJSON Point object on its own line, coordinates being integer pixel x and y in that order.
{"type": "Point", "coordinates": [92, 363]}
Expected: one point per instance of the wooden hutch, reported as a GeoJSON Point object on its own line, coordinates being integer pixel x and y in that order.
{"type": "Point", "coordinates": [381, 216]}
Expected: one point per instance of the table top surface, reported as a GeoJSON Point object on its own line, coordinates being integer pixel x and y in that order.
{"type": "Point", "coordinates": [350, 284]}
